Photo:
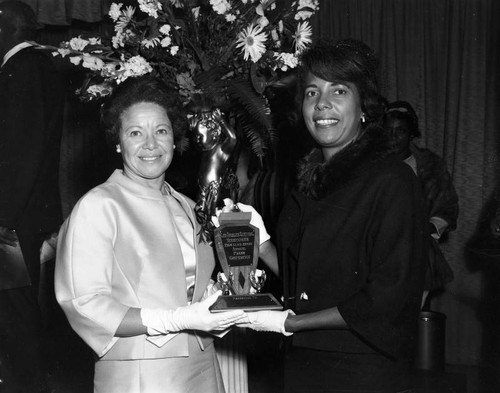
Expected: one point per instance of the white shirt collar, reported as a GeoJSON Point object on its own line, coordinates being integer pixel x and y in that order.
{"type": "Point", "coordinates": [14, 50]}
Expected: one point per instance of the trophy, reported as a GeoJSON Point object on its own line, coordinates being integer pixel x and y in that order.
{"type": "Point", "coordinates": [237, 246]}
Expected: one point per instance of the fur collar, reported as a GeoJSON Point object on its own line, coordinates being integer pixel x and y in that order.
{"type": "Point", "coordinates": [317, 178]}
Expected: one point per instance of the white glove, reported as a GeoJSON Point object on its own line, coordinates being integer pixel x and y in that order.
{"type": "Point", "coordinates": [195, 316]}
{"type": "Point", "coordinates": [256, 221]}
{"type": "Point", "coordinates": [228, 206]}
{"type": "Point", "coordinates": [267, 321]}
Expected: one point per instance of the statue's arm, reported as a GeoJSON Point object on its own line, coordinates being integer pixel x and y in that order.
{"type": "Point", "coordinates": [230, 135]}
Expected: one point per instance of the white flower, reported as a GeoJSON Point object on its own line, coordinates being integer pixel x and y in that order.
{"type": "Point", "coordinates": [120, 37]}
{"type": "Point", "coordinates": [63, 52]}
{"type": "Point", "coordinates": [124, 18]}
{"type": "Point", "coordinates": [174, 49]}
{"type": "Point", "coordinates": [150, 7]}
{"type": "Point", "coordinates": [230, 18]}
{"type": "Point", "coordinates": [99, 90]}
{"type": "Point", "coordinates": [165, 29]}
{"type": "Point", "coordinates": [263, 21]}
{"type": "Point", "coordinates": [95, 41]}
{"type": "Point", "coordinates": [196, 12]}
{"type": "Point", "coordinates": [165, 42]}
{"type": "Point", "coordinates": [302, 15]}
{"type": "Point", "coordinates": [252, 40]}
{"type": "Point", "coordinates": [276, 38]}
{"type": "Point", "coordinates": [288, 60]}
{"type": "Point", "coordinates": [91, 62]}
{"type": "Point", "coordinates": [115, 11]}
{"type": "Point", "coordinates": [78, 44]}
{"type": "Point", "coordinates": [135, 66]}
{"type": "Point", "coordinates": [76, 60]}
{"type": "Point", "coordinates": [302, 36]}
{"type": "Point", "coordinates": [306, 8]}
{"type": "Point", "coordinates": [313, 4]}
{"type": "Point", "coordinates": [150, 43]}
{"type": "Point", "coordinates": [109, 70]}
{"type": "Point", "coordinates": [220, 6]}
{"type": "Point", "coordinates": [117, 40]}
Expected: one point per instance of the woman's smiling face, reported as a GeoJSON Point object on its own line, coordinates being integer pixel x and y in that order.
{"type": "Point", "coordinates": [332, 113]}
{"type": "Point", "coordinates": [146, 143]}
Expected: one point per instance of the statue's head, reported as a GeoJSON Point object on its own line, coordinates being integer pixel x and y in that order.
{"type": "Point", "coordinates": [204, 127]}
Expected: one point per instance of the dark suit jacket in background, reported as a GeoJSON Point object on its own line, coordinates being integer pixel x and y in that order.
{"type": "Point", "coordinates": [31, 104]}
{"type": "Point", "coordinates": [31, 114]}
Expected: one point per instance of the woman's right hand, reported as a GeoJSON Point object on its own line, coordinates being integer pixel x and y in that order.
{"type": "Point", "coordinates": [196, 316]}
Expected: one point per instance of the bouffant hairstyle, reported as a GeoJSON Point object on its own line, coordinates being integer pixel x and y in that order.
{"type": "Point", "coordinates": [138, 90]}
{"type": "Point", "coordinates": [346, 60]}
{"type": "Point", "coordinates": [404, 112]}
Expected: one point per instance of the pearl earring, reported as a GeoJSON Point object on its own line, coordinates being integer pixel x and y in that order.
{"type": "Point", "coordinates": [174, 146]}
{"type": "Point", "coordinates": [363, 119]}
{"type": "Point", "coordinates": [118, 149]}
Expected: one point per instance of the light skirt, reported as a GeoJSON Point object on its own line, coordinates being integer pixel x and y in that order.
{"type": "Point", "coordinates": [231, 352]}
{"type": "Point", "coordinates": [197, 373]}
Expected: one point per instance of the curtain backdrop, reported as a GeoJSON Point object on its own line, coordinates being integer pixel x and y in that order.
{"type": "Point", "coordinates": [62, 12]}
{"type": "Point", "coordinates": [442, 57]}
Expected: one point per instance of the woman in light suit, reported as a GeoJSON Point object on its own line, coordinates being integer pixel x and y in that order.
{"type": "Point", "coordinates": [130, 274]}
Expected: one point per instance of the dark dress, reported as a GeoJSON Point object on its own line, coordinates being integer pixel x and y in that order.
{"type": "Point", "coordinates": [354, 236]}
{"type": "Point", "coordinates": [441, 201]}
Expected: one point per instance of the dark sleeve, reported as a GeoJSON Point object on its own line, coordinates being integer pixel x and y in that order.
{"type": "Point", "coordinates": [29, 98]}
{"type": "Point", "coordinates": [385, 310]}
{"type": "Point", "coordinates": [439, 191]}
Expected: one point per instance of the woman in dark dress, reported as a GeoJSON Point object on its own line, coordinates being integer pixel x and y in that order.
{"type": "Point", "coordinates": [351, 239]}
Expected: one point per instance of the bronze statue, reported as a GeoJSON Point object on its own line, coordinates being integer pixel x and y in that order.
{"type": "Point", "coordinates": [216, 179]}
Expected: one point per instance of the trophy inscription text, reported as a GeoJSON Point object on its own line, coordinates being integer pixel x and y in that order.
{"type": "Point", "coordinates": [238, 243]}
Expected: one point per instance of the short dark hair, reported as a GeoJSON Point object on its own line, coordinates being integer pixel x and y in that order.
{"type": "Point", "coordinates": [137, 90]}
{"type": "Point", "coordinates": [346, 60]}
{"type": "Point", "coordinates": [18, 20]}
{"type": "Point", "coordinates": [404, 112]}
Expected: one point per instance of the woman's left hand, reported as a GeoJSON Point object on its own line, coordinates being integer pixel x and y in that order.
{"type": "Point", "coordinates": [196, 316]}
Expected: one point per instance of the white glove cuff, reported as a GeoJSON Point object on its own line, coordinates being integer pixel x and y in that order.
{"type": "Point", "coordinates": [150, 318]}
{"type": "Point", "coordinates": [263, 236]}
{"type": "Point", "coordinates": [285, 314]}
{"type": "Point", "coordinates": [159, 321]}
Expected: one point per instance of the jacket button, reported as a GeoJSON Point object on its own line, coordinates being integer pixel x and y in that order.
{"type": "Point", "coordinates": [304, 297]}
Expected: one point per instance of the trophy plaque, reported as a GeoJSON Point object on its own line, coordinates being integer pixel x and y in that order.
{"type": "Point", "coordinates": [237, 246]}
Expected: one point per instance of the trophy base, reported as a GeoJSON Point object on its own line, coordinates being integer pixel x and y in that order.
{"type": "Point", "coordinates": [255, 302]}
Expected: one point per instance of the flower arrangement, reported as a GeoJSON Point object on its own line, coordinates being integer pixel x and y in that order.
{"type": "Point", "coordinates": [228, 50]}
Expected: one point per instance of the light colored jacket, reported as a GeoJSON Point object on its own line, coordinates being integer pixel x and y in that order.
{"type": "Point", "coordinates": [118, 249]}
